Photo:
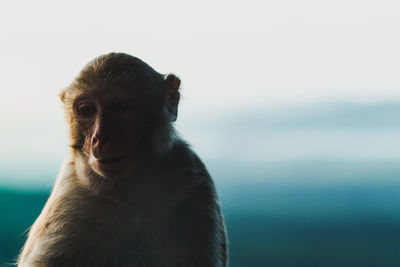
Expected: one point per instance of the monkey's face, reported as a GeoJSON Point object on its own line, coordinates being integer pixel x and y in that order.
{"type": "Point", "coordinates": [120, 111]}
{"type": "Point", "coordinates": [115, 124]}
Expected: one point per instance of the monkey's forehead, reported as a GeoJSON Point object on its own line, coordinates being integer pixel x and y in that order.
{"type": "Point", "coordinates": [117, 73]}
{"type": "Point", "coordinates": [139, 92]}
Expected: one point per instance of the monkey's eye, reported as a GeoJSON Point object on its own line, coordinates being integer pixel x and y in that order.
{"type": "Point", "coordinates": [86, 110]}
{"type": "Point", "coordinates": [119, 105]}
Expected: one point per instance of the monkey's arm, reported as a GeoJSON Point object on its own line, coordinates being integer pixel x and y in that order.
{"type": "Point", "coordinates": [34, 248]}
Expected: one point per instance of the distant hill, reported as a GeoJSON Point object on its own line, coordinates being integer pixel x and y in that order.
{"type": "Point", "coordinates": [321, 116]}
{"type": "Point", "coordinates": [331, 130]}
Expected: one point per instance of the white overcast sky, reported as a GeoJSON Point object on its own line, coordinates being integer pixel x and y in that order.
{"type": "Point", "coordinates": [230, 55]}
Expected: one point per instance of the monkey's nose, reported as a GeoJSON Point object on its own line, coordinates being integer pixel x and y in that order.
{"type": "Point", "coordinates": [95, 140]}
{"type": "Point", "coordinates": [96, 145]}
{"type": "Point", "coordinates": [98, 139]}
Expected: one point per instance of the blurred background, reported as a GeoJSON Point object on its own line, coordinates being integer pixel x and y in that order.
{"type": "Point", "coordinates": [293, 105]}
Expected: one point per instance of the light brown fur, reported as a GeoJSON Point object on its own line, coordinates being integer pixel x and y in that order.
{"type": "Point", "coordinates": [160, 210]}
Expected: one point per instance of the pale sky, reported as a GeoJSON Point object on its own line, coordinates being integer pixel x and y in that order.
{"type": "Point", "coordinates": [231, 56]}
{"type": "Point", "coordinates": [228, 53]}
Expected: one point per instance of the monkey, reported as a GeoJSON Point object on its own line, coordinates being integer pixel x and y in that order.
{"type": "Point", "coordinates": [131, 192]}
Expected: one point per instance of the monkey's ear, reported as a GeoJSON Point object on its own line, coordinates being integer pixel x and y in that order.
{"type": "Point", "coordinates": [173, 96]}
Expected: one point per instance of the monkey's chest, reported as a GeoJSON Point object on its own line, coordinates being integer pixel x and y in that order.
{"type": "Point", "coordinates": [119, 234]}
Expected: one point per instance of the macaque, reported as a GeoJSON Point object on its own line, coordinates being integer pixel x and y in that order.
{"type": "Point", "coordinates": [131, 192]}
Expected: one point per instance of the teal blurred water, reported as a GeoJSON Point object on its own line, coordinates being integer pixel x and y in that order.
{"type": "Point", "coordinates": [290, 219]}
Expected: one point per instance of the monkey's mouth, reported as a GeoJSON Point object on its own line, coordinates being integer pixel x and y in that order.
{"type": "Point", "coordinates": [111, 160]}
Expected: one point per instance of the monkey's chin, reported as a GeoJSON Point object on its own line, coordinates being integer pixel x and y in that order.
{"type": "Point", "coordinates": [109, 167]}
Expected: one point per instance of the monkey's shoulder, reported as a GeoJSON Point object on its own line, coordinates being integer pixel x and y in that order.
{"type": "Point", "coordinates": [185, 177]}
{"type": "Point", "coordinates": [184, 160]}
{"type": "Point", "coordinates": [188, 191]}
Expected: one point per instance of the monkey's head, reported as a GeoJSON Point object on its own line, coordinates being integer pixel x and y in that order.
{"type": "Point", "coordinates": [120, 111]}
